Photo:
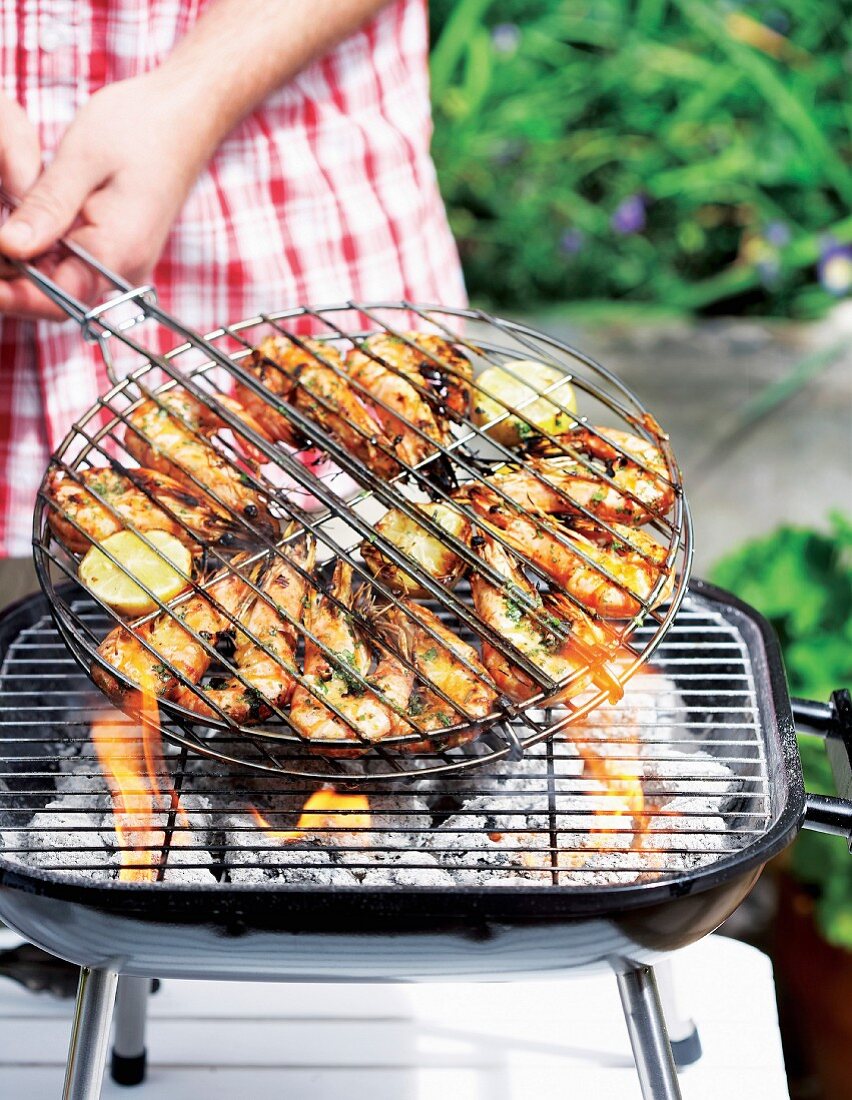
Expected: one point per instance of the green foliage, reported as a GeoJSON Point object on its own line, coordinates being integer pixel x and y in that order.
{"type": "Point", "coordinates": [726, 122]}
{"type": "Point", "coordinates": [802, 582]}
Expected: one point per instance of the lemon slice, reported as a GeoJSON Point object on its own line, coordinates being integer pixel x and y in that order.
{"type": "Point", "coordinates": [518, 389]}
{"type": "Point", "coordinates": [118, 588]}
{"type": "Point", "coordinates": [431, 554]}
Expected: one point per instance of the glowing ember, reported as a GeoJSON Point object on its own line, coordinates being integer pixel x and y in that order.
{"type": "Point", "coordinates": [325, 809]}
{"type": "Point", "coordinates": [131, 758]}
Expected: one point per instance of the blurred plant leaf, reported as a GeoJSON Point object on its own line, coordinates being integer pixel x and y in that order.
{"type": "Point", "coordinates": [448, 50]}
{"type": "Point", "coordinates": [801, 580]}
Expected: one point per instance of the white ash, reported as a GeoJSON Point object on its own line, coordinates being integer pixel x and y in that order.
{"type": "Point", "coordinates": [189, 847]}
{"type": "Point", "coordinates": [712, 783]}
{"type": "Point", "coordinates": [58, 835]}
{"type": "Point", "coordinates": [397, 826]}
{"type": "Point", "coordinates": [425, 872]}
{"type": "Point", "coordinates": [527, 776]}
{"type": "Point", "coordinates": [82, 787]}
{"type": "Point", "coordinates": [292, 863]}
{"type": "Point", "coordinates": [434, 831]}
{"type": "Point", "coordinates": [395, 812]}
{"type": "Point", "coordinates": [677, 850]}
{"type": "Point", "coordinates": [81, 817]}
{"type": "Point", "coordinates": [594, 867]}
{"type": "Point", "coordinates": [651, 708]}
{"type": "Point", "coordinates": [257, 855]}
{"type": "Point", "coordinates": [495, 847]}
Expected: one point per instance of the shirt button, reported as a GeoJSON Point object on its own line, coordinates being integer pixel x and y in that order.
{"type": "Point", "coordinates": [55, 35]}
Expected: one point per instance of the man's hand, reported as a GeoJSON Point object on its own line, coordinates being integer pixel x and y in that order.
{"type": "Point", "coordinates": [117, 182]}
{"type": "Point", "coordinates": [129, 158]}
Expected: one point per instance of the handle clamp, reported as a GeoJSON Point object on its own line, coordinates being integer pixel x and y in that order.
{"type": "Point", "coordinates": [143, 296]}
{"type": "Point", "coordinates": [833, 721]}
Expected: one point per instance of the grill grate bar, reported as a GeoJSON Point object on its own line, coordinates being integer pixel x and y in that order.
{"type": "Point", "coordinates": [544, 818]}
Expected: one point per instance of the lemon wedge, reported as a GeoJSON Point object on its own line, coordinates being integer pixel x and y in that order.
{"type": "Point", "coordinates": [517, 383]}
{"type": "Point", "coordinates": [116, 585]}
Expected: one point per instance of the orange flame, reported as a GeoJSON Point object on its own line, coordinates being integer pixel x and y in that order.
{"type": "Point", "coordinates": [627, 799]}
{"type": "Point", "coordinates": [324, 809]}
{"type": "Point", "coordinates": [620, 778]}
{"type": "Point", "coordinates": [131, 757]}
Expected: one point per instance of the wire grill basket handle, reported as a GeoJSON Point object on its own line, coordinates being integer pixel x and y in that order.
{"type": "Point", "coordinates": [833, 721]}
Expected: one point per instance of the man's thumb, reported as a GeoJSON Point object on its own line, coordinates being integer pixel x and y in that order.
{"type": "Point", "coordinates": [48, 209]}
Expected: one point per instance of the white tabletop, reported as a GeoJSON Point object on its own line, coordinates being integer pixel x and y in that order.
{"type": "Point", "coordinates": [550, 1040]}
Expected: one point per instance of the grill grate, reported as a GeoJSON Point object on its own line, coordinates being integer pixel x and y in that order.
{"type": "Point", "coordinates": [690, 729]}
{"type": "Point", "coordinates": [205, 367]}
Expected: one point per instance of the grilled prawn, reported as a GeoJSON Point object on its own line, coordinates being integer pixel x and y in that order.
{"type": "Point", "coordinates": [264, 677]}
{"type": "Point", "coordinates": [416, 390]}
{"type": "Point", "coordinates": [551, 633]}
{"type": "Point", "coordinates": [556, 486]}
{"type": "Point", "coordinates": [364, 715]}
{"type": "Point", "coordinates": [146, 499]}
{"type": "Point", "coordinates": [300, 377]}
{"type": "Point", "coordinates": [395, 639]}
{"type": "Point", "coordinates": [648, 489]}
{"type": "Point", "coordinates": [171, 435]}
{"type": "Point", "coordinates": [633, 561]}
{"type": "Point", "coordinates": [172, 646]}
{"type": "Point", "coordinates": [452, 666]}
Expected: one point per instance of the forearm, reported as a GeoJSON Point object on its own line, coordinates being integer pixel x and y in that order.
{"type": "Point", "coordinates": [240, 51]}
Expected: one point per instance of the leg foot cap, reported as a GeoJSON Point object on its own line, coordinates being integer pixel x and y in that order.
{"type": "Point", "coordinates": [688, 1050]}
{"type": "Point", "coordinates": [128, 1071]}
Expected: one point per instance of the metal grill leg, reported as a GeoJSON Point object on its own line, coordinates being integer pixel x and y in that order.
{"type": "Point", "coordinates": [127, 1066]}
{"type": "Point", "coordinates": [648, 1037]}
{"type": "Point", "coordinates": [683, 1034]}
{"type": "Point", "coordinates": [90, 1034]}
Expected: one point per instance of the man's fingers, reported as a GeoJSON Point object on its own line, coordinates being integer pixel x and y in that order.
{"type": "Point", "coordinates": [50, 206]}
{"type": "Point", "coordinates": [80, 281]}
{"type": "Point", "coordinates": [20, 153]}
{"type": "Point", "coordinates": [21, 298]}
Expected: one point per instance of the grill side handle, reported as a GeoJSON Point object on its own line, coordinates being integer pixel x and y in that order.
{"type": "Point", "coordinates": [833, 721]}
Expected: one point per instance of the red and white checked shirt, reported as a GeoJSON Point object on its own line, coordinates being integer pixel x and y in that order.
{"type": "Point", "coordinates": [326, 192]}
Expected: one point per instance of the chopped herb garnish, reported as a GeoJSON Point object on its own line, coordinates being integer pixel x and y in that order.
{"type": "Point", "coordinates": [515, 608]}
{"type": "Point", "coordinates": [255, 700]}
{"type": "Point", "coordinates": [514, 611]}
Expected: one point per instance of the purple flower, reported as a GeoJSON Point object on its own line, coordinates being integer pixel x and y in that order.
{"type": "Point", "coordinates": [777, 234]}
{"type": "Point", "coordinates": [506, 37]}
{"type": "Point", "coordinates": [572, 240]}
{"type": "Point", "coordinates": [629, 216]}
{"type": "Point", "coordinates": [835, 268]}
